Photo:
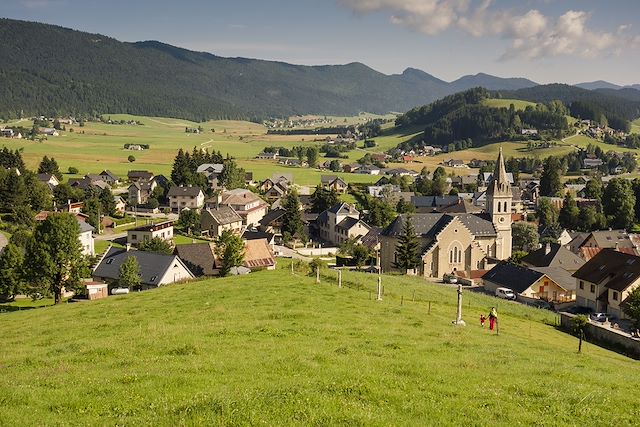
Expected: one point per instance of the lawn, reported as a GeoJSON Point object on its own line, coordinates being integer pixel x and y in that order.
{"type": "Point", "coordinates": [275, 349]}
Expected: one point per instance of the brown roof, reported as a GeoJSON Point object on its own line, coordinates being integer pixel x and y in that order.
{"type": "Point", "coordinates": [614, 269]}
{"type": "Point", "coordinates": [184, 191]}
{"type": "Point", "coordinates": [239, 197]}
{"type": "Point", "coordinates": [554, 255]}
{"type": "Point", "coordinates": [588, 253]}
{"type": "Point", "coordinates": [258, 254]}
{"type": "Point", "coordinates": [199, 258]}
{"type": "Point", "coordinates": [223, 215]}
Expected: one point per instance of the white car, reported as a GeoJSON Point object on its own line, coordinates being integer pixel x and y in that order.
{"type": "Point", "coordinates": [506, 293]}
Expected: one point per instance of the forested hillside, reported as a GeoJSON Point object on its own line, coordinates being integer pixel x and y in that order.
{"type": "Point", "coordinates": [462, 120]}
{"type": "Point", "coordinates": [47, 69]}
{"type": "Point", "coordinates": [613, 107]}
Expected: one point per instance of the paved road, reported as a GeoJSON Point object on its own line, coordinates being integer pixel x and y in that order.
{"type": "Point", "coordinates": [290, 253]}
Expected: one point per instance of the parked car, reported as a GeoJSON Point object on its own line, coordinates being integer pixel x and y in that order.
{"type": "Point", "coordinates": [579, 310]}
{"type": "Point", "coordinates": [506, 293]}
{"type": "Point", "coordinates": [601, 317]}
{"type": "Point", "coordinates": [450, 278]}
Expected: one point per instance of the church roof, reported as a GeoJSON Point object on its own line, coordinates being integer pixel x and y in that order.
{"type": "Point", "coordinates": [430, 224]}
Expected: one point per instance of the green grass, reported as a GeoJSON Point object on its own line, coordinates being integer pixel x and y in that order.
{"type": "Point", "coordinates": [505, 103]}
{"type": "Point", "coordinates": [635, 126]}
{"type": "Point", "coordinates": [276, 349]}
{"type": "Point", "coordinates": [180, 239]}
{"type": "Point", "coordinates": [25, 304]}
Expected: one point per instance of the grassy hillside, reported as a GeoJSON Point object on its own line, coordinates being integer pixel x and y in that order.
{"type": "Point", "coordinates": [277, 349]}
{"type": "Point", "coordinates": [505, 103]}
{"type": "Point", "coordinates": [635, 126]}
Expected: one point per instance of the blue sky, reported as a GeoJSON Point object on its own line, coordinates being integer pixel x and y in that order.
{"type": "Point", "coordinates": [544, 40]}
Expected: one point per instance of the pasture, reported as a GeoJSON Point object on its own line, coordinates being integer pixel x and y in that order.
{"type": "Point", "coordinates": [506, 103]}
{"type": "Point", "coordinates": [276, 349]}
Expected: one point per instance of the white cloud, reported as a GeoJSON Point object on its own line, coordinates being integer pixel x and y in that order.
{"type": "Point", "coordinates": [530, 35]}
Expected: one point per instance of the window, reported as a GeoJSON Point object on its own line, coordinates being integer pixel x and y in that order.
{"type": "Point", "coordinates": [581, 284]}
{"type": "Point", "coordinates": [110, 260]}
{"type": "Point", "coordinates": [455, 255]}
{"type": "Point", "coordinates": [615, 296]}
{"type": "Point", "coordinates": [134, 237]}
{"type": "Point", "coordinates": [153, 279]}
{"type": "Point", "coordinates": [593, 289]}
{"type": "Point", "coordinates": [498, 207]}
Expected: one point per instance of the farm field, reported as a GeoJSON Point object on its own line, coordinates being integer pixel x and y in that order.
{"type": "Point", "coordinates": [101, 146]}
{"type": "Point", "coordinates": [272, 348]}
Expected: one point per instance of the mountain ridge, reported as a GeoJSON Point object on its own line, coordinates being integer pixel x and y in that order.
{"type": "Point", "coordinates": [93, 73]}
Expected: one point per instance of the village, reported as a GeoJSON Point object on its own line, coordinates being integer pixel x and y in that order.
{"type": "Point", "coordinates": [472, 232]}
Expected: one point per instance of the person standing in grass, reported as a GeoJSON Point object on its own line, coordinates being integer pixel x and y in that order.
{"type": "Point", "coordinates": [493, 318]}
{"type": "Point", "coordinates": [482, 320]}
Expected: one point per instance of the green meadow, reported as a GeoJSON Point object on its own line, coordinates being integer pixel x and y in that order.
{"type": "Point", "coordinates": [273, 348]}
{"type": "Point", "coordinates": [506, 103]}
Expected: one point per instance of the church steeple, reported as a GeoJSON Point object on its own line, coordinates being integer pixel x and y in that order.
{"type": "Point", "coordinates": [499, 184]}
{"type": "Point", "coordinates": [499, 203]}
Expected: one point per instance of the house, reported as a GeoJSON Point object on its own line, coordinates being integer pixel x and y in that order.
{"type": "Point", "coordinates": [277, 191]}
{"type": "Point", "coordinates": [333, 182]}
{"type": "Point", "coordinates": [181, 197]}
{"type": "Point", "coordinates": [340, 223]}
{"type": "Point", "coordinates": [136, 176]}
{"type": "Point", "coordinates": [120, 205]}
{"type": "Point", "coordinates": [86, 238]}
{"type": "Point", "coordinates": [406, 159]}
{"type": "Point", "coordinates": [382, 190]}
{"type": "Point", "coordinates": [258, 255]}
{"type": "Point", "coordinates": [454, 163]}
{"type": "Point", "coordinates": [401, 172]}
{"type": "Point", "coordinates": [255, 235]}
{"type": "Point", "coordinates": [553, 255]}
{"type": "Point", "coordinates": [368, 170]}
{"type": "Point", "coordinates": [528, 284]}
{"type": "Point", "coordinates": [212, 171]}
{"type": "Point", "coordinates": [89, 182]}
{"type": "Point", "coordinates": [461, 181]}
{"type": "Point", "coordinates": [611, 239]}
{"type": "Point", "coordinates": [246, 203]}
{"type": "Point", "coordinates": [452, 242]}
{"type": "Point", "coordinates": [272, 222]}
{"type": "Point", "coordinates": [351, 168]}
{"type": "Point", "coordinates": [48, 131]}
{"type": "Point", "coordinates": [155, 269]}
{"type": "Point", "coordinates": [50, 180]}
{"type": "Point", "coordinates": [590, 163]}
{"type": "Point", "coordinates": [605, 281]}
{"type": "Point", "coordinates": [162, 230]}
{"type": "Point", "coordinates": [529, 132]}
{"type": "Point", "coordinates": [109, 177]}
{"type": "Point", "coordinates": [140, 191]}
{"type": "Point", "coordinates": [267, 156]}
{"type": "Point", "coordinates": [85, 234]}
{"type": "Point", "coordinates": [293, 162]}
{"type": "Point", "coordinates": [200, 258]}
{"type": "Point", "coordinates": [213, 222]}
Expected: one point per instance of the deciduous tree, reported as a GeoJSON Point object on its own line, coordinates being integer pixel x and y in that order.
{"type": "Point", "coordinates": [129, 274]}
{"type": "Point", "coordinates": [230, 251]}
{"type": "Point", "coordinates": [54, 259]}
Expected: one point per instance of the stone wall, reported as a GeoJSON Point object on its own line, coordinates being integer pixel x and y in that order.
{"type": "Point", "coordinates": [612, 339]}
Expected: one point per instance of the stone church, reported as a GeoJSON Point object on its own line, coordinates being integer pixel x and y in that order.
{"type": "Point", "coordinates": [452, 242]}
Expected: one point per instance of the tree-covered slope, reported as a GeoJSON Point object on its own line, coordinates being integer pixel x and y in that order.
{"type": "Point", "coordinates": [50, 69]}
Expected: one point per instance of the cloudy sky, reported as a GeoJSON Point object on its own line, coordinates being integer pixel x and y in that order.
{"type": "Point", "coordinates": [545, 40]}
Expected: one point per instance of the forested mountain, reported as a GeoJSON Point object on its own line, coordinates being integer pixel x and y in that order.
{"type": "Point", "coordinates": [48, 69]}
{"type": "Point", "coordinates": [613, 107]}
{"type": "Point", "coordinates": [461, 120]}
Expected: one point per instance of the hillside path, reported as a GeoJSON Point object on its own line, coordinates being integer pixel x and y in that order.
{"type": "Point", "coordinates": [3, 241]}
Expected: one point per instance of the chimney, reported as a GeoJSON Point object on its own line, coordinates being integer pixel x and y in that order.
{"type": "Point", "coordinates": [547, 249]}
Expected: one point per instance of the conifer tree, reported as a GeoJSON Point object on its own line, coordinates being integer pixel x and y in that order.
{"type": "Point", "coordinates": [407, 249]}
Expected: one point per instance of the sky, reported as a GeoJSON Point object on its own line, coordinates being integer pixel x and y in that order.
{"type": "Point", "coordinates": [568, 41]}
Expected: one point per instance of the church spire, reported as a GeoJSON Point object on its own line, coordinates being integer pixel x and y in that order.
{"type": "Point", "coordinates": [499, 182]}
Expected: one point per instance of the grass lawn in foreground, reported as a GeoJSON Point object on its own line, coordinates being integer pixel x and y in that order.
{"type": "Point", "coordinates": [275, 349]}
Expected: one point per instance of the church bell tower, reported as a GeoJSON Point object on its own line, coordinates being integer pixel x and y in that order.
{"type": "Point", "coordinates": [499, 201]}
